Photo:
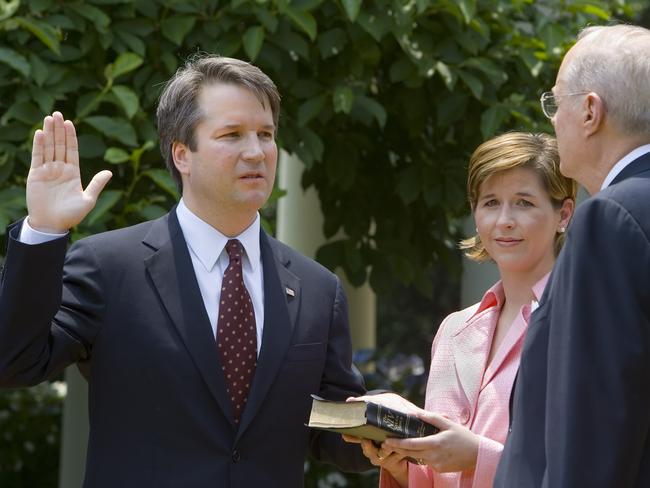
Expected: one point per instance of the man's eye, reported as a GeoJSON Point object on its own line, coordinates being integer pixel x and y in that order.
{"type": "Point", "coordinates": [266, 135]}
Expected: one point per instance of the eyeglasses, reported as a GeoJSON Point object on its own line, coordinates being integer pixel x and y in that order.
{"type": "Point", "coordinates": [549, 102]}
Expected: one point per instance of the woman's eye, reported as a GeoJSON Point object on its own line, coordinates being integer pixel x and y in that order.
{"type": "Point", "coordinates": [491, 203]}
{"type": "Point", "coordinates": [525, 203]}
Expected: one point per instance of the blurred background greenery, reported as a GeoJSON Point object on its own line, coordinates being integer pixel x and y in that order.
{"type": "Point", "coordinates": [382, 101]}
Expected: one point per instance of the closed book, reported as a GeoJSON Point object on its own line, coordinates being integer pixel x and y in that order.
{"type": "Point", "coordinates": [366, 420]}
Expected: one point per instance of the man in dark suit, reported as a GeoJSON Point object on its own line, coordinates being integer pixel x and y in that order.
{"type": "Point", "coordinates": [139, 308]}
{"type": "Point", "coordinates": [581, 405]}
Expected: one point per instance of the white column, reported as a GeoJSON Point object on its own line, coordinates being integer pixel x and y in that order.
{"type": "Point", "coordinates": [74, 432]}
{"type": "Point", "coordinates": [299, 225]}
{"type": "Point", "coordinates": [477, 277]}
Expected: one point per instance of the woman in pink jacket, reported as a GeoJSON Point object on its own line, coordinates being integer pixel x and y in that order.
{"type": "Point", "coordinates": [521, 205]}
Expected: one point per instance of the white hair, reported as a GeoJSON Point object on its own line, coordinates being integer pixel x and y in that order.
{"type": "Point", "coordinates": [614, 62]}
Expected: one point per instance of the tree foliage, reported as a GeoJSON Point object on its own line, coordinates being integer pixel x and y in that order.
{"type": "Point", "coordinates": [382, 100]}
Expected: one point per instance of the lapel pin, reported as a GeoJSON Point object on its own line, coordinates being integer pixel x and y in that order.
{"type": "Point", "coordinates": [290, 292]}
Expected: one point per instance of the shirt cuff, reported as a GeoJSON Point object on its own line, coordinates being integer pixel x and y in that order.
{"type": "Point", "coordinates": [32, 236]}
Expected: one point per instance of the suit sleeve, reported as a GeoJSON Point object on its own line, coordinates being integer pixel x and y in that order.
{"type": "Point", "coordinates": [49, 313]}
{"type": "Point", "coordinates": [598, 400]}
{"type": "Point", "coordinates": [340, 380]}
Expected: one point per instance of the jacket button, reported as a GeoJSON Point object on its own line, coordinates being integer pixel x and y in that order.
{"type": "Point", "coordinates": [464, 415]}
{"type": "Point", "coordinates": [236, 456]}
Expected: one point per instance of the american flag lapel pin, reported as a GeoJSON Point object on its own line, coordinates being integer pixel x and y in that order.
{"type": "Point", "coordinates": [290, 291]}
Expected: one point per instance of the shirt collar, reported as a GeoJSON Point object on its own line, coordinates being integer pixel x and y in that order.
{"type": "Point", "coordinates": [626, 160]}
{"type": "Point", "coordinates": [207, 243]}
{"type": "Point", "coordinates": [495, 296]}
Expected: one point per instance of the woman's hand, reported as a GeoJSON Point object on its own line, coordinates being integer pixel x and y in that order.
{"type": "Point", "coordinates": [390, 400]}
{"type": "Point", "coordinates": [454, 448]}
{"type": "Point", "coordinates": [383, 458]}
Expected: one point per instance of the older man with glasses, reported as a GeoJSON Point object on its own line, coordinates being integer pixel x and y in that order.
{"type": "Point", "coordinates": [581, 404]}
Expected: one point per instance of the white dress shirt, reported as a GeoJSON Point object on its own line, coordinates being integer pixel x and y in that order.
{"type": "Point", "coordinates": [620, 166]}
{"type": "Point", "coordinates": [207, 248]}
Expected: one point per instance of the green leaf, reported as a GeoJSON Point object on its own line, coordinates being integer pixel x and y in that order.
{"type": "Point", "coordinates": [106, 201]}
{"type": "Point", "coordinates": [352, 8]}
{"type": "Point", "coordinates": [15, 60]}
{"type": "Point", "coordinates": [468, 9]}
{"type": "Point", "coordinates": [177, 27]}
{"type": "Point", "coordinates": [343, 99]}
{"type": "Point", "coordinates": [114, 128]}
{"type": "Point", "coordinates": [116, 155]}
{"type": "Point", "coordinates": [496, 74]}
{"type": "Point", "coordinates": [95, 15]}
{"type": "Point", "coordinates": [164, 180]}
{"type": "Point", "coordinates": [408, 185]}
{"type": "Point", "coordinates": [253, 40]}
{"type": "Point", "coordinates": [127, 98]}
{"type": "Point", "coordinates": [332, 42]}
{"type": "Point", "coordinates": [39, 70]}
{"type": "Point", "coordinates": [91, 146]}
{"type": "Point", "coordinates": [310, 109]}
{"type": "Point", "coordinates": [313, 143]}
{"type": "Point", "coordinates": [491, 120]}
{"type": "Point", "coordinates": [472, 82]}
{"type": "Point", "coordinates": [304, 20]}
{"type": "Point", "coordinates": [597, 11]}
{"type": "Point", "coordinates": [125, 63]}
{"type": "Point", "coordinates": [375, 24]}
{"type": "Point", "coordinates": [446, 74]}
{"type": "Point", "coordinates": [8, 8]}
{"type": "Point", "coordinates": [373, 107]}
{"type": "Point", "coordinates": [47, 34]}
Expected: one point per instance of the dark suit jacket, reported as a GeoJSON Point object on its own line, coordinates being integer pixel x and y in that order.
{"type": "Point", "coordinates": [126, 306]}
{"type": "Point", "coordinates": [581, 407]}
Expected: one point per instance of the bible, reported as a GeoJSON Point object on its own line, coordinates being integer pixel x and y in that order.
{"type": "Point", "coordinates": [366, 420]}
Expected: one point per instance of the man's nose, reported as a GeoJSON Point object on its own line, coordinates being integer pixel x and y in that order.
{"type": "Point", "coordinates": [253, 150]}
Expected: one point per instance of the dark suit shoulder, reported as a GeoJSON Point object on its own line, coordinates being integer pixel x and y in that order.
{"type": "Point", "coordinates": [632, 195]}
{"type": "Point", "coordinates": [298, 263]}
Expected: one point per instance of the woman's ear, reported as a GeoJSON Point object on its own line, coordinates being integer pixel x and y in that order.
{"type": "Point", "coordinates": [566, 212]}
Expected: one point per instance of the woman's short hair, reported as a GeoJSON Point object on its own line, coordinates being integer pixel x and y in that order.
{"type": "Point", "coordinates": [516, 150]}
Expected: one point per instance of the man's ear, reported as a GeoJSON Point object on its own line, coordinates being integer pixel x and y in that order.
{"type": "Point", "coordinates": [593, 113]}
{"type": "Point", "coordinates": [182, 157]}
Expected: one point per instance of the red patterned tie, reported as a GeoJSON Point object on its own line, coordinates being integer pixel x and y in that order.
{"type": "Point", "coordinates": [236, 332]}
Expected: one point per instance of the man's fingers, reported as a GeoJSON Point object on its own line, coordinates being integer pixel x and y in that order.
{"type": "Point", "coordinates": [71, 144]}
{"type": "Point", "coordinates": [48, 143]}
{"type": "Point", "coordinates": [38, 148]}
{"type": "Point", "coordinates": [59, 137]}
{"type": "Point", "coordinates": [97, 184]}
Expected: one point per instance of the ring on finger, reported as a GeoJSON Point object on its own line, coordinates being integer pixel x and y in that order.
{"type": "Point", "coordinates": [421, 461]}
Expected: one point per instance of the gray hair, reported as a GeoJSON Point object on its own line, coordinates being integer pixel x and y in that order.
{"type": "Point", "coordinates": [614, 61]}
{"type": "Point", "coordinates": [178, 112]}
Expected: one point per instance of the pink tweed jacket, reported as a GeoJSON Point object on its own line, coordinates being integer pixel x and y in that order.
{"type": "Point", "coordinates": [469, 391]}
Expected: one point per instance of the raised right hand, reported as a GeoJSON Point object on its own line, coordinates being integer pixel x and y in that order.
{"type": "Point", "coordinates": [56, 201]}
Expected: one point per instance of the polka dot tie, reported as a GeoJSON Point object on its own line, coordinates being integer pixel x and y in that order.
{"type": "Point", "coordinates": [236, 332]}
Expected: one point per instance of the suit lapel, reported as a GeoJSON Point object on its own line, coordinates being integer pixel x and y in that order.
{"type": "Point", "coordinates": [512, 338]}
{"type": "Point", "coordinates": [172, 273]}
{"type": "Point", "coordinates": [471, 346]}
{"type": "Point", "coordinates": [282, 297]}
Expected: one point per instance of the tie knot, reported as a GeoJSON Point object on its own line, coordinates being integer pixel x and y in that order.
{"type": "Point", "coordinates": [234, 249]}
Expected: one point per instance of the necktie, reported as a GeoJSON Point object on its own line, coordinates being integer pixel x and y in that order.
{"type": "Point", "coordinates": [236, 332]}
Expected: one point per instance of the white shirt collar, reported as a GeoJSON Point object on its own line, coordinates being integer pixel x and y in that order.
{"type": "Point", "coordinates": [626, 160]}
{"type": "Point", "coordinates": [208, 243]}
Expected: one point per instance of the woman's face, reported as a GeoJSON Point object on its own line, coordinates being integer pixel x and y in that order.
{"type": "Point", "coordinates": [517, 222]}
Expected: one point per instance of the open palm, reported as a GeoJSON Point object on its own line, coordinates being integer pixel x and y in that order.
{"type": "Point", "coordinates": [56, 200]}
